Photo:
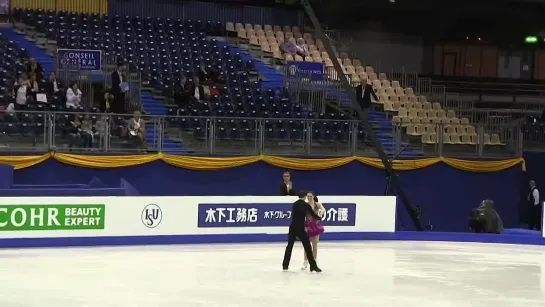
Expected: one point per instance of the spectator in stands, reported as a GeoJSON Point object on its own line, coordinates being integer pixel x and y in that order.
{"type": "Point", "coordinates": [118, 89]}
{"type": "Point", "coordinates": [285, 93]}
{"type": "Point", "coordinates": [34, 67]}
{"type": "Point", "coordinates": [73, 97]}
{"type": "Point", "coordinates": [181, 93]}
{"type": "Point", "coordinates": [136, 130]}
{"type": "Point", "coordinates": [101, 127]}
{"type": "Point", "coordinates": [302, 48]}
{"type": "Point", "coordinates": [53, 86]}
{"type": "Point", "coordinates": [34, 87]}
{"type": "Point", "coordinates": [216, 75]}
{"type": "Point", "coordinates": [364, 92]}
{"type": "Point", "coordinates": [22, 92]}
{"type": "Point", "coordinates": [33, 82]}
{"type": "Point", "coordinates": [72, 130]}
{"type": "Point", "coordinates": [197, 92]}
{"type": "Point", "coordinates": [203, 74]}
{"type": "Point", "coordinates": [286, 188]}
{"type": "Point", "coordinates": [106, 102]}
{"type": "Point", "coordinates": [87, 132]}
{"type": "Point", "coordinates": [288, 48]}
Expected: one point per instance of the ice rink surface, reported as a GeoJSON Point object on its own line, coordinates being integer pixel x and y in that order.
{"type": "Point", "coordinates": [355, 274]}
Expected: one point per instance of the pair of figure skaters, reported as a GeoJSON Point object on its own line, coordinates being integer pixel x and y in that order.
{"type": "Point", "coordinates": [307, 213]}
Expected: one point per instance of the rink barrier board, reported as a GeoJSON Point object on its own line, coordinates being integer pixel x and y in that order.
{"type": "Point", "coordinates": [267, 238]}
{"type": "Point", "coordinates": [64, 238]}
{"type": "Point", "coordinates": [189, 219]}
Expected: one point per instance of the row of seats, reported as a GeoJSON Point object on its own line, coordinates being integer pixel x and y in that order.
{"type": "Point", "coordinates": [461, 139]}
{"type": "Point", "coordinates": [414, 116]}
{"type": "Point", "coordinates": [163, 49]}
{"type": "Point", "coordinates": [163, 54]}
{"type": "Point", "coordinates": [409, 108]}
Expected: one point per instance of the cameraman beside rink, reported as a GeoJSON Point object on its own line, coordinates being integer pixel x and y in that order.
{"type": "Point", "coordinates": [485, 219]}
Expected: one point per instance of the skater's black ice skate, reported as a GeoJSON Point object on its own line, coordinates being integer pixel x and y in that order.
{"type": "Point", "coordinates": [316, 269]}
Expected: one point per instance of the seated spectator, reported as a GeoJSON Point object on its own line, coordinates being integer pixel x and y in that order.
{"type": "Point", "coordinates": [22, 92]}
{"type": "Point", "coordinates": [53, 86]}
{"type": "Point", "coordinates": [33, 83]}
{"type": "Point", "coordinates": [216, 75]}
{"type": "Point", "coordinates": [72, 130]}
{"type": "Point", "coordinates": [34, 67]}
{"type": "Point", "coordinates": [181, 93]}
{"type": "Point", "coordinates": [73, 97]}
{"type": "Point", "coordinates": [101, 127]}
{"type": "Point", "coordinates": [203, 74]}
{"type": "Point", "coordinates": [288, 48]}
{"type": "Point", "coordinates": [197, 93]}
{"type": "Point", "coordinates": [106, 102]}
{"type": "Point", "coordinates": [285, 93]}
{"type": "Point", "coordinates": [87, 132]}
{"type": "Point", "coordinates": [302, 48]}
{"type": "Point", "coordinates": [137, 130]}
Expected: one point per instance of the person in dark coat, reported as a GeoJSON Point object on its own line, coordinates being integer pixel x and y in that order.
{"type": "Point", "coordinates": [118, 78]}
{"type": "Point", "coordinates": [286, 188]}
{"type": "Point", "coordinates": [53, 86]}
{"type": "Point", "coordinates": [34, 67]}
{"type": "Point", "coordinates": [182, 93]}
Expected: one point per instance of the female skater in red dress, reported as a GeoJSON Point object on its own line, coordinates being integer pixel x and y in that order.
{"type": "Point", "coordinates": [313, 227]}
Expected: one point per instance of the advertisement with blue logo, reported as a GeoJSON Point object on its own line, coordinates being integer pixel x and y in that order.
{"type": "Point", "coordinates": [306, 70]}
{"type": "Point", "coordinates": [268, 215]}
{"type": "Point", "coordinates": [80, 59]}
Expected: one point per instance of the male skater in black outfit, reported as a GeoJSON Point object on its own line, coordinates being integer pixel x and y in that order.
{"type": "Point", "coordinates": [299, 212]}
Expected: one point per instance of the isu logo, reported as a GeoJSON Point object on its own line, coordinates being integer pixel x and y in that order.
{"type": "Point", "coordinates": [152, 216]}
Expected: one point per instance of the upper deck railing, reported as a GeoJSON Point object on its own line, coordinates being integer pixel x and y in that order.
{"type": "Point", "coordinates": [34, 131]}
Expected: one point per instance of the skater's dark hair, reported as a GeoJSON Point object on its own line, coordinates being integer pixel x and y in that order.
{"type": "Point", "coordinates": [302, 194]}
{"type": "Point", "coordinates": [315, 197]}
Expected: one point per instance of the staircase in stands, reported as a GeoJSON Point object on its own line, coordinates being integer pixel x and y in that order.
{"type": "Point", "coordinates": [382, 125]}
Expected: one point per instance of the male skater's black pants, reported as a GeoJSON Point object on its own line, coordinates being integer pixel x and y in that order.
{"type": "Point", "coordinates": [303, 236]}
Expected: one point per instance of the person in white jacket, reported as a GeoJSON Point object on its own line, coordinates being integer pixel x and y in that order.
{"type": "Point", "coordinates": [73, 97]}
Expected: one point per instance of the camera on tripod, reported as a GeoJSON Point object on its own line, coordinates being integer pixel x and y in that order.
{"type": "Point", "coordinates": [485, 219]}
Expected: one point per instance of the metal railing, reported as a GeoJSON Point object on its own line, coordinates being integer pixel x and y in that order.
{"type": "Point", "coordinates": [47, 131]}
{"type": "Point", "coordinates": [194, 10]}
{"type": "Point", "coordinates": [493, 141]}
{"type": "Point", "coordinates": [93, 82]}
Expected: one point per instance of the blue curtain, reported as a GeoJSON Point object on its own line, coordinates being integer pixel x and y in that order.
{"type": "Point", "coordinates": [446, 195]}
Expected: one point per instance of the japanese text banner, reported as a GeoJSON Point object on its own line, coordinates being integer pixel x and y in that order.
{"type": "Point", "coordinates": [267, 215]}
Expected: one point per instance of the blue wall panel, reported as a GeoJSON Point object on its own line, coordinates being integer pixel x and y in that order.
{"type": "Point", "coordinates": [446, 195]}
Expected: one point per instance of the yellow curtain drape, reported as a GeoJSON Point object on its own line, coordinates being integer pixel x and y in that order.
{"type": "Point", "coordinates": [75, 6]}
{"type": "Point", "coordinates": [219, 163]}
{"type": "Point", "coordinates": [19, 162]}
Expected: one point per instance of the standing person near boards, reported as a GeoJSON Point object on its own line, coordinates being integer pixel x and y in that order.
{"type": "Point", "coordinates": [299, 213]}
{"type": "Point", "coordinates": [286, 188]}
{"type": "Point", "coordinates": [535, 207]}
